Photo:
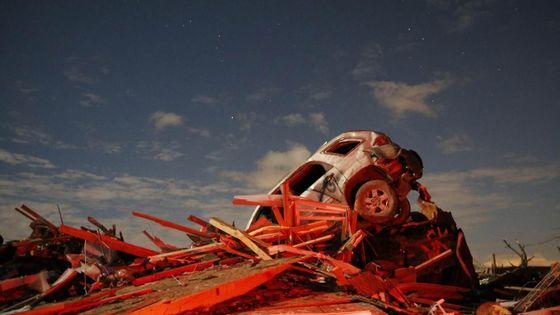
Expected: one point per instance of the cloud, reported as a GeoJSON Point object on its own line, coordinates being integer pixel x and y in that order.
{"type": "Point", "coordinates": [319, 122]}
{"type": "Point", "coordinates": [91, 99]}
{"type": "Point", "coordinates": [85, 72]}
{"type": "Point", "coordinates": [263, 94]}
{"type": "Point", "coordinates": [105, 146]}
{"type": "Point", "coordinates": [512, 259]}
{"type": "Point", "coordinates": [512, 157]}
{"type": "Point", "coordinates": [475, 195]}
{"type": "Point", "coordinates": [24, 88]}
{"type": "Point", "coordinates": [215, 156]}
{"type": "Point", "coordinates": [157, 150]}
{"type": "Point", "coordinates": [369, 65]}
{"type": "Point", "coordinates": [518, 174]}
{"type": "Point", "coordinates": [76, 74]}
{"type": "Point", "coordinates": [203, 132]}
{"type": "Point", "coordinates": [162, 120]}
{"type": "Point", "coordinates": [401, 98]}
{"type": "Point", "coordinates": [320, 95]}
{"type": "Point", "coordinates": [314, 93]}
{"type": "Point", "coordinates": [316, 120]}
{"type": "Point", "coordinates": [271, 167]}
{"type": "Point", "coordinates": [27, 160]}
{"type": "Point", "coordinates": [290, 120]}
{"type": "Point", "coordinates": [29, 135]}
{"type": "Point", "coordinates": [111, 199]}
{"type": "Point", "coordinates": [245, 121]}
{"type": "Point", "coordinates": [203, 99]}
{"type": "Point", "coordinates": [458, 142]}
{"type": "Point", "coordinates": [464, 13]}
{"type": "Point", "coordinates": [168, 154]}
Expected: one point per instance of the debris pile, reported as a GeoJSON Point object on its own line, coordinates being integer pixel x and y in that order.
{"type": "Point", "coordinates": [316, 248]}
{"type": "Point", "coordinates": [302, 252]}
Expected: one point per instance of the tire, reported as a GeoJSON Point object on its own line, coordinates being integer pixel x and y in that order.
{"type": "Point", "coordinates": [404, 212]}
{"type": "Point", "coordinates": [376, 202]}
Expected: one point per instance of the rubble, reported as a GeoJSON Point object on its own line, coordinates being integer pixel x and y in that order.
{"type": "Point", "coordinates": [301, 253]}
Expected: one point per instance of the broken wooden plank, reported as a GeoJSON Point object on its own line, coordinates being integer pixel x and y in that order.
{"type": "Point", "coordinates": [37, 217]}
{"type": "Point", "coordinates": [159, 243]}
{"type": "Point", "coordinates": [433, 260]}
{"type": "Point", "coordinates": [314, 241]}
{"type": "Point", "coordinates": [59, 308]}
{"type": "Point", "coordinates": [175, 226]}
{"type": "Point", "coordinates": [194, 219]}
{"type": "Point", "coordinates": [237, 283]}
{"type": "Point", "coordinates": [243, 237]}
{"type": "Point", "coordinates": [110, 242]}
{"type": "Point", "coordinates": [346, 267]}
{"type": "Point", "coordinates": [174, 272]}
{"type": "Point", "coordinates": [258, 200]}
{"type": "Point", "coordinates": [289, 213]}
{"type": "Point", "coordinates": [185, 252]}
{"type": "Point", "coordinates": [78, 307]}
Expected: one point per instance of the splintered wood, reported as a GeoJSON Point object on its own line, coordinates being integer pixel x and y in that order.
{"type": "Point", "coordinates": [308, 257]}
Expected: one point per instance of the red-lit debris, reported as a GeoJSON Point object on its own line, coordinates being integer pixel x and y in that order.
{"type": "Point", "coordinates": [303, 252]}
{"type": "Point", "coordinates": [322, 245]}
{"type": "Point", "coordinates": [267, 269]}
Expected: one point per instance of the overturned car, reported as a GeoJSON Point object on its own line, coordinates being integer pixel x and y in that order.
{"type": "Point", "coordinates": [372, 176]}
{"type": "Point", "coordinates": [363, 169]}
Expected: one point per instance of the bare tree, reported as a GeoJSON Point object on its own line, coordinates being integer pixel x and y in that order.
{"type": "Point", "coordinates": [521, 253]}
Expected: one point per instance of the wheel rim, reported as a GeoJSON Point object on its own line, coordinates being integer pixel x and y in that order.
{"type": "Point", "coordinates": [377, 202]}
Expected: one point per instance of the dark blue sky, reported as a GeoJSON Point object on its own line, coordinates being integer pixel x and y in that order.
{"type": "Point", "coordinates": [173, 108]}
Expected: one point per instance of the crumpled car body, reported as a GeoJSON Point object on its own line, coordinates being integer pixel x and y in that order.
{"type": "Point", "coordinates": [337, 171]}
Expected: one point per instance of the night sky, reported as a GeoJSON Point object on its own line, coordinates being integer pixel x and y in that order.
{"type": "Point", "coordinates": [172, 108]}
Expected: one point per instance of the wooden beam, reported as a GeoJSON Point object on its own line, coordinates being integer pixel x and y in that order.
{"type": "Point", "coordinates": [174, 272]}
{"type": "Point", "coordinates": [288, 205]}
{"type": "Point", "coordinates": [240, 284]}
{"type": "Point", "coordinates": [240, 235]}
{"type": "Point", "coordinates": [108, 241]}
{"type": "Point", "coordinates": [172, 225]}
{"type": "Point", "coordinates": [433, 260]}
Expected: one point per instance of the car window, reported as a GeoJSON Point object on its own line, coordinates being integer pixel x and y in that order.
{"type": "Point", "coordinates": [306, 176]}
{"type": "Point", "coordinates": [343, 147]}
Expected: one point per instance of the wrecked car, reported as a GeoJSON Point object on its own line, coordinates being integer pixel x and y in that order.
{"type": "Point", "coordinates": [362, 169]}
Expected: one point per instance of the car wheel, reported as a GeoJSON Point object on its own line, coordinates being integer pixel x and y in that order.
{"type": "Point", "coordinates": [376, 201]}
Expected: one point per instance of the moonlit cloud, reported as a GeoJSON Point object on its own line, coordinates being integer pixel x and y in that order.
{"type": "Point", "coordinates": [369, 64]}
{"type": "Point", "coordinates": [203, 132]}
{"type": "Point", "coordinates": [320, 95]}
{"type": "Point", "coordinates": [82, 193]}
{"type": "Point", "coordinates": [263, 94]}
{"type": "Point", "coordinates": [76, 74]}
{"type": "Point", "coordinates": [203, 99]}
{"type": "Point", "coordinates": [162, 120]}
{"type": "Point", "coordinates": [158, 150]}
{"type": "Point", "coordinates": [506, 260]}
{"type": "Point", "coordinates": [462, 15]}
{"type": "Point", "coordinates": [474, 195]}
{"type": "Point", "coordinates": [29, 135]}
{"type": "Point", "coordinates": [319, 122]}
{"type": "Point", "coordinates": [106, 147]}
{"type": "Point", "coordinates": [22, 159]}
{"type": "Point", "coordinates": [458, 142]}
{"type": "Point", "coordinates": [245, 121]}
{"type": "Point", "coordinates": [401, 98]}
{"type": "Point", "coordinates": [290, 120]}
{"type": "Point", "coordinates": [316, 120]}
{"type": "Point", "coordinates": [91, 99]}
{"type": "Point", "coordinates": [271, 167]}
